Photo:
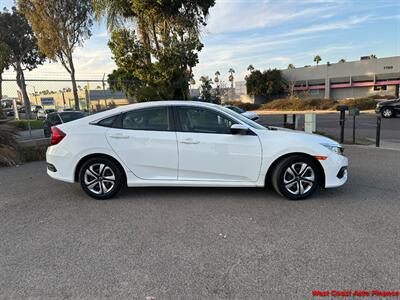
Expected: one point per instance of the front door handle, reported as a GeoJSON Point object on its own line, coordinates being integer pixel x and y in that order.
{"type": "Point", "coordinates": [119, 136]}
{"type": "Point", "coordinates": [190, 141]}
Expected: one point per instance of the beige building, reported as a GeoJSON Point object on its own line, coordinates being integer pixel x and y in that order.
{"type": "Point", "coordinates": [355, 79]}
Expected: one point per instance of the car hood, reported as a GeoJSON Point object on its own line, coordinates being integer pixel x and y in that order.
{"type": "Point", "coordinates": [388, 102]}
{"type": "Point", "coordinates": [300, 136]}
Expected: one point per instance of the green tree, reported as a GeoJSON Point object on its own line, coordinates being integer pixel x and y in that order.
{"type": "Point", "coordinates": [342, 60]}
{"type": "Point", "coordinates": [291, 66]}
{"type": "Point", "coordinates": [231, 78]}
{"type": "Point", "coordinates": [250, 68]}
{"type": "Point", "coordinates": [373, 56]}
{"type": "Point", "coordinates": [317, 59]}
{"type": "Point", "coordinates": [264, 84]}
{"type": "Point", "coordinates": [162, 49]}
{"type": "Point", "coordinates": [60, 26]}
{"type": "Point", "coordinates": [205, 88]}
{"type": "Point", "coordinates": [5, 56]}
{"type": "Point", "coordinates": [16, 33]}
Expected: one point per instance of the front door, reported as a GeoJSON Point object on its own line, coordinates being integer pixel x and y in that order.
{"type": "Point", "coordinates": [208, 151]}
{"type": "Point", "coordinates": [146, 143]}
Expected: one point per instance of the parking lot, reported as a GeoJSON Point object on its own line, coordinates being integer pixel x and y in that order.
{"type": "Point", "coordinates": [192, 243]}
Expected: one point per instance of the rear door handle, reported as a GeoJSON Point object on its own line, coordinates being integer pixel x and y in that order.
{"type": "Point", "coordinates": [190, 141]}
{"type": "Point", "coordinates": [119, 136]}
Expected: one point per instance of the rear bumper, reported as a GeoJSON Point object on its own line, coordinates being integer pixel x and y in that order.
{"type": "Point", "coordinates": [336, 170]}
{"type": "Point", "coordinates": [59, 158]}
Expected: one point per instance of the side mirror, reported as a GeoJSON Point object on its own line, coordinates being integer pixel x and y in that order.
{"type": "Point", "coordinates": [239, 129]}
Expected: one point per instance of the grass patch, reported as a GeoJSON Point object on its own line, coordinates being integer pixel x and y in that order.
{"type": "Point", "coordinates": [23, 124]}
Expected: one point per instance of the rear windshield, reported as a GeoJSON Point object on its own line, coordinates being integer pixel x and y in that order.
{"type": "Point", "coordinates": [70, 116]}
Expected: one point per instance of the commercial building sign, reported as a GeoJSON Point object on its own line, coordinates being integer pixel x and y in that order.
{"type": "Point", "coordinates": [47, 101]}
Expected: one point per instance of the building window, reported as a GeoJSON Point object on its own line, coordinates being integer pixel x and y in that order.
{"type": "Point", "coordinates": [380, 87]}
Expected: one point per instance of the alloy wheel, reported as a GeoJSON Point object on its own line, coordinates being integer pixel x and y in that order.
{"type": "Point", "coordinates": [99, 178]}
{"type": "Point", "coordinates": [387, 113]}
{"type": "Point", "coordinates": [299, 178]}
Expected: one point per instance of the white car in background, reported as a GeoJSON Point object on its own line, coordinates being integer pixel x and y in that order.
{"type": "Point", "coordinates": [248, 114]}
{"type": "Point", "coordinates": [184, 143]}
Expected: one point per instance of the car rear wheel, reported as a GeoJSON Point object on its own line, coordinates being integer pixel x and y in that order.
{"type": "Point", "coordinates": [296, 177]}
{"type": "Point", "coordinates": [101, 178]}
{"type": "Point", "coordinates": [387, 112]}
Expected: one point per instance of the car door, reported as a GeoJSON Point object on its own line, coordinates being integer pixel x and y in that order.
{"type": "Point", "coordinates": [208, 151]}
{"type": "Point", "coordinates": [146, 142]}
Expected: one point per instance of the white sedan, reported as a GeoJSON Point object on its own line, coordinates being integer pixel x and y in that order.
{"type": "Point", "coordinates": [184, 143]}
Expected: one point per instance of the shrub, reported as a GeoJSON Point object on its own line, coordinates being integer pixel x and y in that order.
{"type": "Point", "coordinates": [8, 146]}
{"type": "Point", "coordinates": [33, 153]}
{"type": "Point", "coordinates": [360, 103]}
{"type": "Point", "coordinates": [23, 124]}
{"type": "Point", "coordinates": [297, 104]}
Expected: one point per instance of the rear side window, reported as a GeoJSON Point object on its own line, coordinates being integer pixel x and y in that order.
{"type": "Point", "coordinates": [108, 122]}
{"type": "Point", "coordinates": [71, 116]}
{"type": "Point", "coordinates": [156, 119]}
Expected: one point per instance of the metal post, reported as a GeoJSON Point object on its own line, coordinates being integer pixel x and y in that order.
{"type": "Point", "coordinates": [342, 120]}
{"type": "Point", "coordinates": [284, 120]}
{"type": "Point", "coordinates": [354, 129]}
{"type": "Point", "coordinates": [294, 122]}
{"type": "Point", "coordinates": [378, 130]}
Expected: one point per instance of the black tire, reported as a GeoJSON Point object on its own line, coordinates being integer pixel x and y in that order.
{"type": "Point", "coordinates": [100, 188]}
{"type": "Point", "coordinates": [302, 184]}
{"type": "Point", "coordinates": [387, 112]}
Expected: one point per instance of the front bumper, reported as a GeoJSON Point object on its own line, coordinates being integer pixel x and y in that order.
{"type": "Point", "coordinates": [336, 170]}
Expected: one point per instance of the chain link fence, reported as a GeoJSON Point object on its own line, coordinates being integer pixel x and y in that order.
{"type": "Point", "coordinates": [94, 94]}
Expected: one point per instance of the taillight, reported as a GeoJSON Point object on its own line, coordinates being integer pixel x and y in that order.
{"type": "Point", "coordinates": [56, 135]}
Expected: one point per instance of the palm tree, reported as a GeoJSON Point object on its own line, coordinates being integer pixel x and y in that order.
{"type": "Point", "coordinates": [342, 60]}
{"type": "Point", "coordinates": [291, 66]}
{"type": "Point", "coordinates": [317, 59]}
{"type": "Point", "coordinates": [216, 78]}
{"type": "Point", "coordinates": [205, 87]}
{"type": "Point", "coordinates": [250, 68]}
{"type": "Point", "coordinates": [373, 56]}
{"type": "Point", "coordinates": [231, 78]}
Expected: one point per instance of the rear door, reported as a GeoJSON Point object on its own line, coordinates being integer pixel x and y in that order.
{"type": "Point", "coordinates": [208, 151]}
{"type": "Point", "coordinates": [146, 142]}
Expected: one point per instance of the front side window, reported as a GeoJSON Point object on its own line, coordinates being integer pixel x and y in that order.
{"type": "Point", "coordinates": [155, 119]}
{"type": "Point", "coordinates": [195, 119]}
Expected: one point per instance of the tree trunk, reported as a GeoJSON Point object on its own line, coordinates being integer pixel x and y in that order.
{"type": "Point", "coordinates": [1, 86]}
{"type": "Point", "coordinates": [73, 80]}
{"type": "Point", "coordinates": [22, 86]}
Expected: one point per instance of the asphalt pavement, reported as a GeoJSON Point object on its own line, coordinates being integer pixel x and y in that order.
{"type": "Point", "coordinates": [200, 243]}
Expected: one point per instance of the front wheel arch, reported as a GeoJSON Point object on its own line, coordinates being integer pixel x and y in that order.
{"type": "Point", "coordinates": [272, 167]}
{"type": "Point", "coordinates": [97, 155]}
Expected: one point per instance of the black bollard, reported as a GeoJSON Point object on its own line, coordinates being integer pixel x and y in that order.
{"type": "Point", "coordinates": [378, 130]}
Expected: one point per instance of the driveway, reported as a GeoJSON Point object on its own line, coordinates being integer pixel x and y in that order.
{"type": "Point", "coordinates": [200, 243]}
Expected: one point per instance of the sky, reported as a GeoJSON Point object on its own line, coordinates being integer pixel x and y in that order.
{"type": "Point", "coordinates": [266, 34]}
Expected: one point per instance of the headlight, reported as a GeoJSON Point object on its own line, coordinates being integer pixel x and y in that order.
{"type": "Point", "coordinates": [338, 149]}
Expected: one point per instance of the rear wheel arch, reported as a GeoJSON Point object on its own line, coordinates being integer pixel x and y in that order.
{"type": "Point", "coordinates": [97, 155]}
{"type": "Point", "coordinates": [272, 167]}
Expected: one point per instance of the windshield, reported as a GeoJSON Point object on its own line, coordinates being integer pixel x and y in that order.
{"type": "Point", "coordinates": [243, 119]}
{"type": "Point", "coordinates": [70, 116]}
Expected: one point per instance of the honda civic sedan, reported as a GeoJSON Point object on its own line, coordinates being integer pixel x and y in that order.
{"type": "Point", "coordinates": [184, 143]}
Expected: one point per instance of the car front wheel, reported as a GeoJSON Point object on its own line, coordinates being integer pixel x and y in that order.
{"type": "Point", "coordinates": [296, 177]}
{"type": "Point", "coordinates": [387, 112]}
{"type": "Point", "coordinates": [101, 178]}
